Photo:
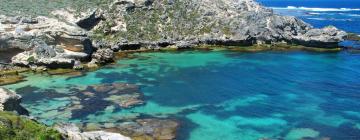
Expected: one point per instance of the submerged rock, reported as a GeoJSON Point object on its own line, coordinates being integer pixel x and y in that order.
{"type": "Point", "coordinates": [138, 129]}
{"type": "Point", "coordinates": [122, 94]}
{"type": "Point", "coordinates": [158, 129]}
{"type": "Point", "coordinates": [10, 79]}
{"type": "Point", "coordinates": [302, 133]}
{"type": "Point", "coordinates": [10, 74]}
{"type": "Point", "coordinates": [97, 98]}
{"type": "Point", "coordinates": [10, 101]}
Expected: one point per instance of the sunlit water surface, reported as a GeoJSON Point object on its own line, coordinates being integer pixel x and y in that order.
{"type": "Point", "coordinates": [220, 95]}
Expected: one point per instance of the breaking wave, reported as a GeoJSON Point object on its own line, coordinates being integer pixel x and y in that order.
{"type": "Point", "coordinates": [317, 9]}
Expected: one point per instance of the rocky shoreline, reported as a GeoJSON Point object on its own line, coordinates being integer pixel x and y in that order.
{"type": "Point", "coordinates": [124, 95]}
{"type": "Point", "coordinates": [67, 40]}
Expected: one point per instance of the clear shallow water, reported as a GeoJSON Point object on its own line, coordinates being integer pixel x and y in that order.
{"type": "Point", "coordinates": [344, 14]}
{"type": "Point", "coordinates": [219, 94]}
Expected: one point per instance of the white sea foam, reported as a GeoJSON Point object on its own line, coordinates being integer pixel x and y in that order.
{"type": "Point", "coordinates": [317, 18]}
{"type": "Point", "coordinates": [313, 13]}
{"type": "Point", "coordinates": [354, 15]}
{"type": "Point", "coordinates": [316, 9]}
{"type": "Point", "coordinates": [331, 19]}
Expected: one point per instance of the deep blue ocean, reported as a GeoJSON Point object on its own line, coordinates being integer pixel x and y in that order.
{"type": "Point", "coordinates": [344, 14]}
{"type": "Point", "coordinates": [225, 95]}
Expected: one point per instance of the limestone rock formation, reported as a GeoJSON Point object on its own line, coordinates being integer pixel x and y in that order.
{"type": "Point", "coordinates": [68, 36]}
{"type": "Point", "coordinates": [72, 132]}
{"type": "Point", "coordinates": [223, 22]}
{"type": "Point", "coordinates": [45, 41]}
{"type": "Point", "coordinates": [102, 56]}
{"type": "Point", "coordinates": [10, 101]}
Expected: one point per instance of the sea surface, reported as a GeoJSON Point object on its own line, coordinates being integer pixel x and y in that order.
{"type": "Point", "coordinates": [226, 95]}
{"type": "Point", "coordinates": [220, 95]}
{"type": "Point", "coordinates": [344, 14]}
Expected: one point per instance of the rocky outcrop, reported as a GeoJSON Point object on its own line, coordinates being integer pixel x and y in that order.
{"type": "Point", "coordinates": [45, 41]}
{"type": "Point", "coordinates": [43, 55]}
{"type": "Point", "coordinates": [72, 132]}
{"type": "Point", "coordinates": [103, 56]}
{"type": "Point", "coordinates": [149, 128]}
{"type": "Point", "coordinates": [222, 22]}
{"type": "Point", "coordinates": [148, 24]}
{"type": "Point", "coordinates": [10, 101]}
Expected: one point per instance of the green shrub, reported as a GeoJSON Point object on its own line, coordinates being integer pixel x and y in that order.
{"type": "Point", "coordinates": [13, 127]}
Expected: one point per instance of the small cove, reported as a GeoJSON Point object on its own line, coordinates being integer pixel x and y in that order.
{"type": "Point", "coordinates": [217, 94]}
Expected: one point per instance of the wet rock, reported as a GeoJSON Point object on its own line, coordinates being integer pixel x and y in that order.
{"type": "Point", "coordinates": [9, 74]}
{"type": "Point", "coordinates": [10, 79]}
{"type": "Point", "coordinates": [72, 132]}
{"type": "Point", "coordinates": [70, 72]}
{"type": "Point", "coordinates": [10, 101]}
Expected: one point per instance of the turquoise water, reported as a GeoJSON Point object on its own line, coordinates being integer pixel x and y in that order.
{"type": "Point", "coordinates": [218, 95]}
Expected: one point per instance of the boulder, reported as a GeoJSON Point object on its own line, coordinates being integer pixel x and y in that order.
{"type": "Point", "coordinates": [72, 132]}
{"type": "Point", "coordinates": [103, 55]}
{"type": "Point", "coordinates": [10, 101]}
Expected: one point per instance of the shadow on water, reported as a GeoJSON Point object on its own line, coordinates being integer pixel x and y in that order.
{"type": "Point", "coordinates": [291, 90]}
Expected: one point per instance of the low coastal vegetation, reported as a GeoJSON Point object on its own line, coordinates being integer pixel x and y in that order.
{"type": "Point", "coordinates": [126, 26]}
{"type": "Point", "coordinates": [45, 7]}
{"type": "Point", "coordinates": [14, 127]}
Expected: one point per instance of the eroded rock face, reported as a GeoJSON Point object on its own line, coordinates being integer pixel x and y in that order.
{"type": "Point", "coordinates": [45, 41]}
{"type": "Point", "coordinates": [103, 56]}
{"type": "Point", "coordinates": [224, 22]}
{"type": "Point", "coordinates": [10, 101]}
{"type": "Point", "coordinates": [149, 24]}
{"type": "Point", "coordinates": [43, 55]}
{"type": "Point", "coordinates": [72, 132]}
